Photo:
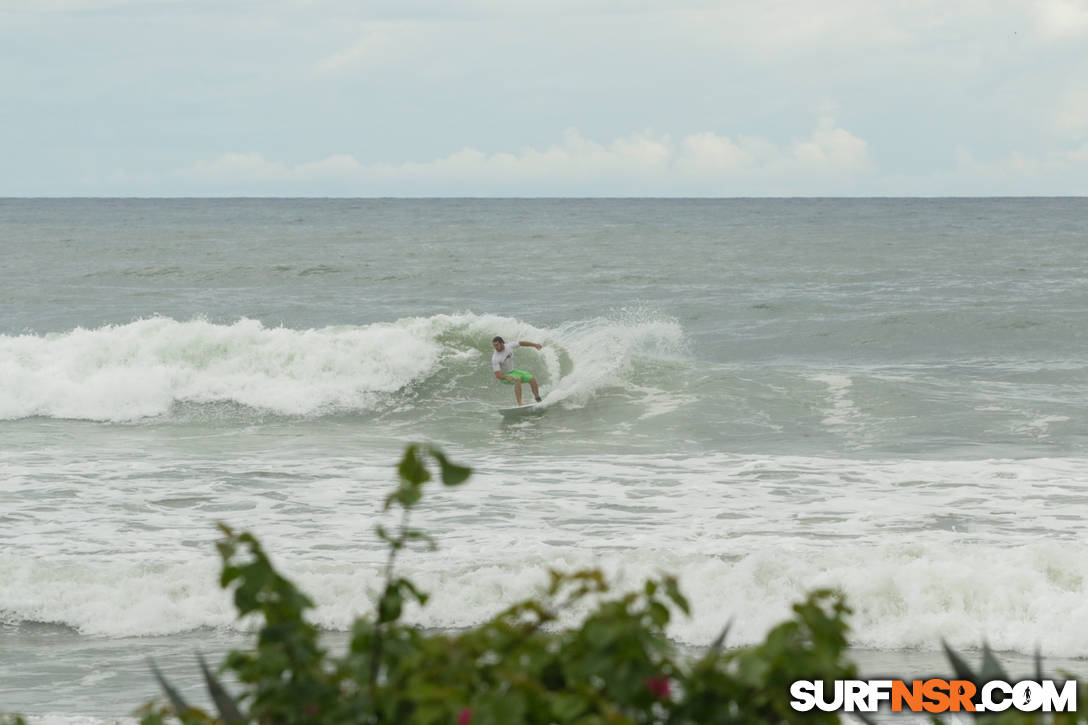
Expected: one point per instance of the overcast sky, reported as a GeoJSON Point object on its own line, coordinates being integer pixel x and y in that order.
{"type": "Point", "coordinates": [543, 98]}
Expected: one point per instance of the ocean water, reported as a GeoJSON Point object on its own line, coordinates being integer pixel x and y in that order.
{"type": "Point", "coordinates": [760, 396]}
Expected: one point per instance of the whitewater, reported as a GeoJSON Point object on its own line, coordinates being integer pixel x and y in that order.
{"type": "Point", "coordinates": [761, 397]}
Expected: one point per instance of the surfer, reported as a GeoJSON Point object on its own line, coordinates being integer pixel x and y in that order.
{"type": "Point", "coordinates": [502, 362]}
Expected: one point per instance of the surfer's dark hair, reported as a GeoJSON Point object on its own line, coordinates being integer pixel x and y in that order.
{"type": "Point", "coordinates": [496, 338]}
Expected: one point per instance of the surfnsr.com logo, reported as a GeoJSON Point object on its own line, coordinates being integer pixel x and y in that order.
{"type": "Point", "coordinates": [934, 695]}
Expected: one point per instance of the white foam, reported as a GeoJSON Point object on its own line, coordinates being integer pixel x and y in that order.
{"type": "Point", "coordinates": [604, 350]}
{"type": "Point", "coordinates": [923, 549]}
{"type": "Point", "coordinates": [124, 372]}
{"type": "Point", "coordinates": [144, 368]}
{"type": "Point", "coordinates": [657, 402]}
{"type": "Point", "coordinates": [903, 597]}
{"type": "Point", "coordinates": [1040, 427]}
{"type": "Point", "coordinates": [842, 411]}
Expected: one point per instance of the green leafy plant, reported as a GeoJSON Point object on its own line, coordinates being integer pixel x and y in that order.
{"type": "Point", "coordinates": [617, 666]}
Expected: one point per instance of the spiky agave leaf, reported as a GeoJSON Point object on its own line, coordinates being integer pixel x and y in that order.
{"type": "Point", "coordinates": [991, 668]}
{"type": "Point", "coordinates": [176, 700]}
{"type": "Point", "coordinates": [229, 712]}
{"type": "Point", "coordinates": [959, 665]}
{"type": "Point", "coordinates": [719, 641]}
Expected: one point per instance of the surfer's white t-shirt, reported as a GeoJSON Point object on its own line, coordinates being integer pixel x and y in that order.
{"type": "Point", "coordinates": [504, 360]}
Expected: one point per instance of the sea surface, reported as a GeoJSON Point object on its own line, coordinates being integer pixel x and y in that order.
{"type": "Point", "coordinates": [889, 397]}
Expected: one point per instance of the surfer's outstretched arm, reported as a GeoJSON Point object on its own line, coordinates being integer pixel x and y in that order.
{"type": "Point", "coordinates": [530, 344]}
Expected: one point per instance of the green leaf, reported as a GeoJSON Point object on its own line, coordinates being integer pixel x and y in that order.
{"type": "Point", "coordinates": [568, 706]}
{"type": "Point", "coordinates": [411, 468]}
{"type": "Point", "coordinates": [410, 535]}
{"type": "Point", "coordinates": [499, 709]}
{"type": "Point", "coordinates": [673, 591]}
{"type": "Point", "coordinates": [659, 613]}
{"type": "Point", "coordinates": [408, 494]}
{"type": "Point", "coordinates": [404, 585]}
{"type": "Point", "coordinates": [390, 605]}
{"type": "Point", "coordinates": [452, 474]}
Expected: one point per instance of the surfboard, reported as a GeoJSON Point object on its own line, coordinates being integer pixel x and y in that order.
{"type": "Point", "coordinates": [522, 411]}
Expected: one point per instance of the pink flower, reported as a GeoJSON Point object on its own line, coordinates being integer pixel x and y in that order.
{"type": "Point", "coordinates": [465, 717]}
{"type": "Point", "coordinates": [658, 687]}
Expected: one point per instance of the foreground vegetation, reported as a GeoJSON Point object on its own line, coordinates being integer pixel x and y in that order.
{"type": "Point", "coordinates": [617, 667]}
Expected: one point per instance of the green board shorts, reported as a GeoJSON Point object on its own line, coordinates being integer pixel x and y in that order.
{"type": "Point", "coordinates": [520, 375]}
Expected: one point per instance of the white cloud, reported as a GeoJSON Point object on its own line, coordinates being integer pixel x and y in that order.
{"type": "Point", "coordinates": [835, 147]}
{"type": "Point", "coordinates": [830, 153]}
{"type": "Point", "coordinates": [830, 161]}
{"type": "Point", "coordinates": [381, 44]}
{"type": "Point", "coordinates": [1062, 18]}
{"type": "Point", "coordinates": [638, 164]}
{"type": "Point", "coordinates": [297, 80]}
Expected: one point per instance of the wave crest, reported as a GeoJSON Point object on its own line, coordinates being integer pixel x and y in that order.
{"type": "Point", "coordinates": [143, 369]}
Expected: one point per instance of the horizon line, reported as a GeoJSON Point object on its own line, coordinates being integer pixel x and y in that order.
{"type": "Point", "coordinates": [539, 198]}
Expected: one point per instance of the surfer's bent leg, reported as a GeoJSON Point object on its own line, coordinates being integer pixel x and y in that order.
{"type": "Point", "coordinates": [517, 389]}
{"type": "Point", "coordinates": [536, 389]}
